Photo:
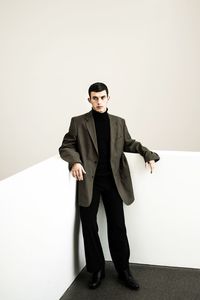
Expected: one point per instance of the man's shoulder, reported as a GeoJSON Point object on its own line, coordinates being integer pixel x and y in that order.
{"type": "Point", "coordinates": [117, 118]}
{"type": "Point", "coordinates": [83, 116]}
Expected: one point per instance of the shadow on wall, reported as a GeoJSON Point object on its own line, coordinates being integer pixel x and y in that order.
{"type": "Point", "coordinates": [76, 246]}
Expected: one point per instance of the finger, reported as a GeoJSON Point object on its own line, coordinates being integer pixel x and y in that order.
{"type": "Point", "coordinates": [149, 165]}
{"type": "Point", "coordinates": [152, 165]}
{"type": "Point", "coordinates": [73, 173]}
{"type": "Point", "coordinates": [80, 175]}
{"type": "Point", "coordinates": [151, 169]}
{"type": "Point", "coordinates": [83, 171]}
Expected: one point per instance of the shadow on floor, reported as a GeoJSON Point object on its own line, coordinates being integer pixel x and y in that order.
{"type": "Point", "coordinates": [157, 283]}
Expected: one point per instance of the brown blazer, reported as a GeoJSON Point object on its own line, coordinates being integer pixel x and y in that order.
{"type": "Point", "coordinates": [80, 145]}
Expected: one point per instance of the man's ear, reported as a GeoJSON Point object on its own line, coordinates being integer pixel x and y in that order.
{"type": "Point", "coordinates": [89, 100]}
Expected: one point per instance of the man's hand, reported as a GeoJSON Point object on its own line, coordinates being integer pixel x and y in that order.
{"type": "Point", "coordinates": [150, 164]}
{"type": "Point", "coordinates": [78, 171]}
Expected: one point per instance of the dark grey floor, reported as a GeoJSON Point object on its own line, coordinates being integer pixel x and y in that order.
{"type": "Point", "coordinates": [157, 283]}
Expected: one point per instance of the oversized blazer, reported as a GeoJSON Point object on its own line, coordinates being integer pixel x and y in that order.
{"type": "Point", "coordinates": [80, 146]}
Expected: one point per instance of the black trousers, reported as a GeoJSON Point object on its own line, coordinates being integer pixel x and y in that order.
{"type": "Point", "coordinates": [117, 237]}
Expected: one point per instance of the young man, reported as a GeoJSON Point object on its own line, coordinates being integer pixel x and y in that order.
{"type": "Point", "coordinates": [94, 148]}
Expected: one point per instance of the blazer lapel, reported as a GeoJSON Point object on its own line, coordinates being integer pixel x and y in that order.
{"type": "Point", "coordinates": [91, 128]}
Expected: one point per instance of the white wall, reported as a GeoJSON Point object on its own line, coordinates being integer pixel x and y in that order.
{"type": "Point", "coordinates": [41, 247]}
{"type": "Point", "coordinates": [163, 224]}
{"type": "Point", "coordinates": [51, 51]}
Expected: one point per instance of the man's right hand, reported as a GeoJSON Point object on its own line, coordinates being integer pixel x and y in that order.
{"type": "Point", "coordinates": [78, 171]}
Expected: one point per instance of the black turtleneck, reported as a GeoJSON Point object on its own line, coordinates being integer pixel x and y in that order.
{"type": "Point", "coordinates": [102, 125]}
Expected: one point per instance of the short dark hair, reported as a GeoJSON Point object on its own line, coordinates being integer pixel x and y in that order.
{"type": "Point", "coordinates": [97, 87]}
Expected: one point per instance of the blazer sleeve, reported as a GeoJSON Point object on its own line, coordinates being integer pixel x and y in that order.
{"type": "Point", "coordinates": [134, 146]}
{"type": "Point", "coordinates": [68, 149]}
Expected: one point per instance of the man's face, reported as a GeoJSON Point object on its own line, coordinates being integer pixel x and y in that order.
{"type": "Point", "coordinates": [99, 101]}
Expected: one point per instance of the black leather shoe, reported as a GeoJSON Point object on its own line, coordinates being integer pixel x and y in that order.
{"type": "Point", "coordinates": [96, 279]}
{"type": "Point", "coordinates": [129, 280]}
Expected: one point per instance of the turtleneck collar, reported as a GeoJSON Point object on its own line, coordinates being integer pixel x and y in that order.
{"type": "Point", "coordinates": [97, 114]}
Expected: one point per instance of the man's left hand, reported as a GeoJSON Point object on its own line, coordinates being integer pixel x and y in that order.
{"type": "Point", "coordinates": [150, 164]}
